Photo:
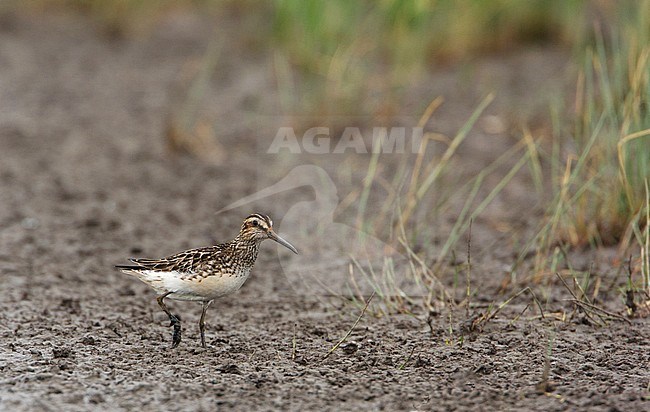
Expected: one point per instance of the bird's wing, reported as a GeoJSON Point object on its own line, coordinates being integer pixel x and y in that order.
{"type": "Point", "coordinates": [189, 261]}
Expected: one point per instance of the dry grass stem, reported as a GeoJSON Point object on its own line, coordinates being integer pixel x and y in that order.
{"type": "Point", "coordinates": [347, 335]}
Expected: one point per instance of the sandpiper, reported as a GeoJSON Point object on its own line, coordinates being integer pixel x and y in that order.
{"type": "Point", "coordinates": [206, 273]}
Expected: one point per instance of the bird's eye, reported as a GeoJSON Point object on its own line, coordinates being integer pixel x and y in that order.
{"type": "Point", "coordinates": [254, 223]}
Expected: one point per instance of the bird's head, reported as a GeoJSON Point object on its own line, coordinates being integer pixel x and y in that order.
{"type": "Point", "coordinates": [257, 227]}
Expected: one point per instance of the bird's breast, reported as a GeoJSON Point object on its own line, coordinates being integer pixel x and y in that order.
{"type": "Point", "coordinates": [221, 284]}
{"type": "Point", "coordinates": [196, 286]}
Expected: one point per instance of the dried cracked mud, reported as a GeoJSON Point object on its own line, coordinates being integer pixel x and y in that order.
{"type": "Point", "coordinates": [86, 181]}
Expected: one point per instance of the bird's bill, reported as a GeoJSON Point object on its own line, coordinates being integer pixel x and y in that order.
{"type": "Point", "coordinates": [274, 236]}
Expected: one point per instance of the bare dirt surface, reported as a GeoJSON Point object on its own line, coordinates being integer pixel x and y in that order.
{"type": "Point", "coordinates": [86, 181]}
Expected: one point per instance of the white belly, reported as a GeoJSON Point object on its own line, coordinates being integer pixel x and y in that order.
{"type": "Point", "coordinates": [196, 288]}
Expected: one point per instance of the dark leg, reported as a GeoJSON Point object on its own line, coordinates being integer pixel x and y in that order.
{"type": "Point", "coordinates": [206, 304]}
{"type": "Point", "coordinates": [174, 321]}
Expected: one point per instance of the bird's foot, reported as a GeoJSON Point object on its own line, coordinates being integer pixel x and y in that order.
{"type": "Point", "coordinates": [176, 336]}
{"type": "Point", "coordinates": [174, 319]}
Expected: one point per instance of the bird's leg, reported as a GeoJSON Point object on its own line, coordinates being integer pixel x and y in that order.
{"type": "Point", "coordinates": [206, 304]}
{"type": "Point", "coordinates": [174, 321]}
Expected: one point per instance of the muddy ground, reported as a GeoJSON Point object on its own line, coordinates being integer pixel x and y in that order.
{"type": "Point", "coordinates": [86, 181]}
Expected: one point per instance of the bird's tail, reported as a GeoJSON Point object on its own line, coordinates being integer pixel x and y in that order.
{"type": "Point", "coordinates": [132, 270]}
{"type": "Point", "coordinates": [128, 267]}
